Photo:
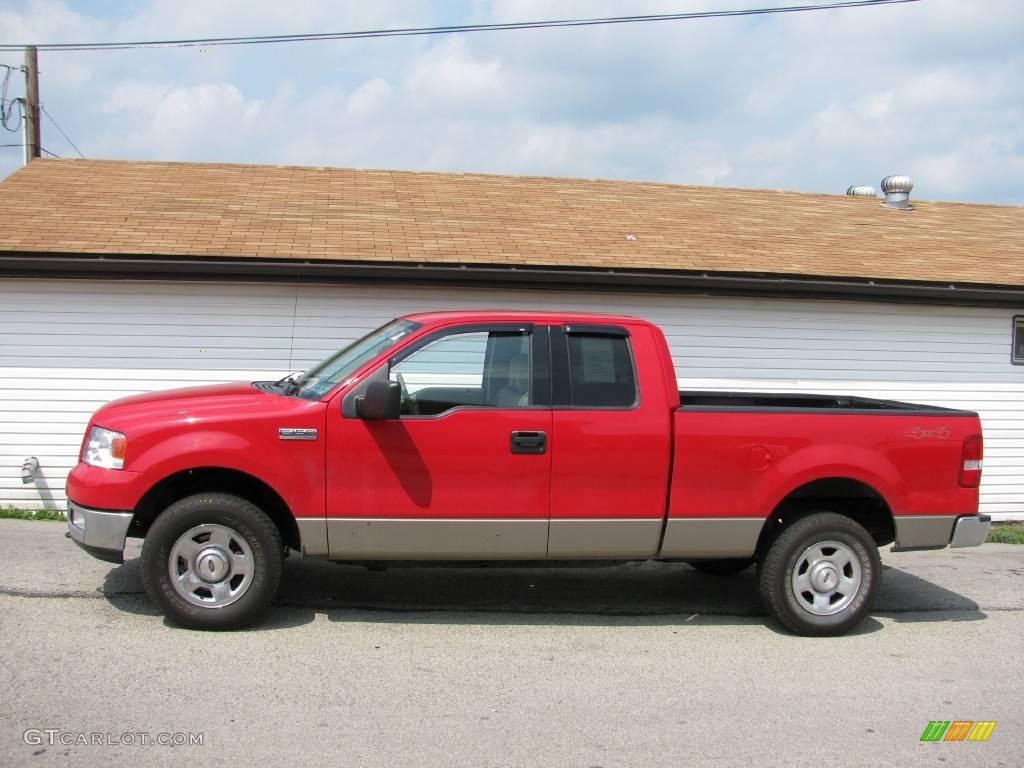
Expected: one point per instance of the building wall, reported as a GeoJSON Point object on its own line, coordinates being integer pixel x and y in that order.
{"type": "Point", "coordinates": [68, 346]}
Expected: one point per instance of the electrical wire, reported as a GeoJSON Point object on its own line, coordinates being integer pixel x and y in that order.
{"type": "Point", "coordinates": [66, 137]}
{"type": "Point", "coordinates": [7, 105]}
{"type": "Point", "coordinates": [449, 30]}
{"type": "Point", "coordinates": [42, 149]}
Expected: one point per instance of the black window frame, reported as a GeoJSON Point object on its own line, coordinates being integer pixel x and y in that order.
{"type": "Point", "coordinates": [561, 369]}
{"type": "Point", "coordinates": [1017, 339]}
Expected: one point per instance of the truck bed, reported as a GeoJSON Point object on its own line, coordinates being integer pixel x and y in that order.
{"type": "Point", "coordinates": [739, 454]}
{"type": "Point", "coordinates": [792, 402]}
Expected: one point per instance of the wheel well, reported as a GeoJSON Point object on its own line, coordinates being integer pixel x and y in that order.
{"type": "Point", "coordinates": [190, 481]}
{"type": "Point", "coordinates": [841, 495]}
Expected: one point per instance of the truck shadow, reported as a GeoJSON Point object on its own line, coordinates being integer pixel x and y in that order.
{"type": "Point", "coordinates": [634, 594]}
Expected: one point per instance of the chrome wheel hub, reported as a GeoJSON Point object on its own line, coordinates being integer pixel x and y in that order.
{"type": "Point", "coordinates": [211, 566]}
{"type": "Point", "coordinates": [826, 578]}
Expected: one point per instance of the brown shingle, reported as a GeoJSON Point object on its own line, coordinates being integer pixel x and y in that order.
{"type": "Point", "coordinates": [189, 209]}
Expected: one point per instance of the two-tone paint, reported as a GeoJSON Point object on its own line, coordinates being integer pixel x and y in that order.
{"type": "Point", "coordinates": [656, 479]}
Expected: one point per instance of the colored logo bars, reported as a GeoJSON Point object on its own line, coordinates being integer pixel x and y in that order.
{"type": "Point", "coordinates": [958, 730]}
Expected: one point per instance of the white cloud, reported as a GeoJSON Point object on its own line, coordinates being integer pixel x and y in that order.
{"type": "Point", "coordinates": [369, 98]}
{"type": "Point", "coordinates": [139, 96]}
{"type": "Point", "coordinates": [173, 122]}
{"type": "Point", "coordinates": [714, 173]}
{"type": "Point", "coordinates": [449, 73]}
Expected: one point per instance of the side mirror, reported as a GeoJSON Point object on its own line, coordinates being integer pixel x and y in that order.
{"type": "Point", "coordinates": [383, 400]}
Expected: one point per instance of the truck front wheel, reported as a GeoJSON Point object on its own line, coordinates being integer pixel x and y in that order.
{"type": "Point", "coordinates": [212, 561]}
{"type": "Point", "coordinates": [820, 576]}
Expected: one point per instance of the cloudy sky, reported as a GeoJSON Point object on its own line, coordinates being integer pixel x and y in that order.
{"type": "Point", "coordinates": [809, 102]}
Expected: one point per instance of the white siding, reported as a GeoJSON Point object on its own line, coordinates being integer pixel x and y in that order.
{"type": "Point", "coordinates": [67, 346]}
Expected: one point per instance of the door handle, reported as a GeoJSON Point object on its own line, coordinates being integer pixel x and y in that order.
{"type": "Point", "coordinates": [529, 442]}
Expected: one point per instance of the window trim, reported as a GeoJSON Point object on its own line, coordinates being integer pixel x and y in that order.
{"type": "Point", "coordinates": [1016, 327]}
{"type": "Point", "coordinates": [594, 329]}
{"type": "Point", "coordinates": [561, 388]}
{"type": "Point", "coordinates": [450, 330]}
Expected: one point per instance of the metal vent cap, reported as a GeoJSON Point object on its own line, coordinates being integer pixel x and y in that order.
{"type": "Point", "coordinates": [897, 192]}
{"type": "Point", "coordinates": [897, 184]}
{"type": "Point", "coordinates": [861, 190]}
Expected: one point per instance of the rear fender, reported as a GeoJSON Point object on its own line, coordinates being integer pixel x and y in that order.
{"type": "Point", "coordinates": [818, 462]}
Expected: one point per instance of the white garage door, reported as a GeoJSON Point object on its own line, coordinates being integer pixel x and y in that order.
{"type": "Point", "coordinates": [71, 345]}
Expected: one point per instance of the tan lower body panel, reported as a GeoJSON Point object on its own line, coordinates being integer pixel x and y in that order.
{"type": "Point", "coordinates": [352, 538]}
{"type": "Point", "coordinates": [313, 536]}
{"type": "Point", "coordinates": [923, 531]}
{"type": "Point", "coordinates": [711, 537]}
{"type": "Point", "coordinates": [597, 538]}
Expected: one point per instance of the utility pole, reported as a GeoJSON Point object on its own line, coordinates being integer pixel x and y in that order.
{"type": "Point", "coordinates": [32, 138]}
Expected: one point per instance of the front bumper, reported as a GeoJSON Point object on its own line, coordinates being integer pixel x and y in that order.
{"type": "Point", "coordinates": [99, 532]}
{"type": "Point", "coordinates": [971, 531]}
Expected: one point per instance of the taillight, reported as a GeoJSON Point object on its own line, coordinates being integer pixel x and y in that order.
{"type": "Point", "coordinates": [970, 462]}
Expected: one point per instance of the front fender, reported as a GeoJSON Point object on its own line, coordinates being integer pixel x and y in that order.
{"type": "Point", "coordinates": [293, 469]}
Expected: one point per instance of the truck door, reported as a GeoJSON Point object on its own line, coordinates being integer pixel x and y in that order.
{"type": "Point", "coordinates": [465, 472]}
{"type": "Point", "coordinates": [611, 444]}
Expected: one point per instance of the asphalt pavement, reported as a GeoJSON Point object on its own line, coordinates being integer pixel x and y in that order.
{"type": "Point", "coordinates": [634, 665]}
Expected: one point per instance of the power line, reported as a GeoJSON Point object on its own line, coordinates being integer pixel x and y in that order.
{"type": "Point", "coordinates": [66, 137]}
{"type": "Point", "coordinates": [449, 30]}
{"type": "Point", "coordinates": [44, 149]}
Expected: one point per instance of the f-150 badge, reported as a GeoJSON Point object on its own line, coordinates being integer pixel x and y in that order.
{"type": "Point", "coordinates": [294, 433]}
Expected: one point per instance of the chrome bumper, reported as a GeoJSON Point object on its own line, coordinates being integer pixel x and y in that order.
{"type": "Point", "coordinates": [971, 531]}
{"type": "Point", "coordinates": [98, 532]}
{"type": "Point", "coordinates": [940, 531]}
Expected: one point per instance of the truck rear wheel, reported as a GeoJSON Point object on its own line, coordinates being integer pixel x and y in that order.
{"type": "Point", "coordinates": [820, 576]}
{"type": "Point", "coordinates": [212, 561]}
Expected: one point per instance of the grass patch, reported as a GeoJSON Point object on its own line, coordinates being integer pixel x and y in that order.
{"type": "Point", "coordinates": [31, 514]}
{"type": "Point", "coordinates": [1006, 533]}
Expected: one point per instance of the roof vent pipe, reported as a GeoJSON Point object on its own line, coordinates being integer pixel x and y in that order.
{"type": "Point", "coordinates": [861, 190]}
{"type": "Point", "coordinates": [897, 192]}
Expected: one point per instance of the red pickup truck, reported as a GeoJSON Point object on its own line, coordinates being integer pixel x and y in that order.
{"type": "Point", "coordinates": [510, 436]}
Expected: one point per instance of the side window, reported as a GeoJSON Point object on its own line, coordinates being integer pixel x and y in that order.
{"type": "Point", "coordinates": [1018, 340]}
{"type": "Point", "coordinates": [601, 371]}
{"type": "Point", "coordinates": [480, 369]}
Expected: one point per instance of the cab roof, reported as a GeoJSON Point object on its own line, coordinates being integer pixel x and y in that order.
{"type": "Point", "coordinates": [508, 315]}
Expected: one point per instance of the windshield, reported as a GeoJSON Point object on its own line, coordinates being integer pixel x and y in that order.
{"type": "Point", "coordinates": [322, 378]}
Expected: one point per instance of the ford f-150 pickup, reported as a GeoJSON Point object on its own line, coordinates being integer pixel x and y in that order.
{"type": "Point", "coordinates": [511, 436]}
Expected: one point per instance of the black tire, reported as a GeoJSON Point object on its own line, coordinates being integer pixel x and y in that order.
{"type": "Point", "coordinates": [785, 561]}
{"type": "Point", "coordinates": [256, 544]}
{"type": "Point", "coordinates": [723, 567]}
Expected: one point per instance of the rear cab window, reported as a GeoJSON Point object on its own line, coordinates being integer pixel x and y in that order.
{"type": "Point", "coordinates": [599, 370]}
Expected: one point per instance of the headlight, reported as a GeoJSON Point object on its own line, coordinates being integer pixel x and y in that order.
{"type": "Point", "coordinates": [105, 448]}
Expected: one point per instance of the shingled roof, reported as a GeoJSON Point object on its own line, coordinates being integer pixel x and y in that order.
{"type": "Point", "coordinates": [220, 211]}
